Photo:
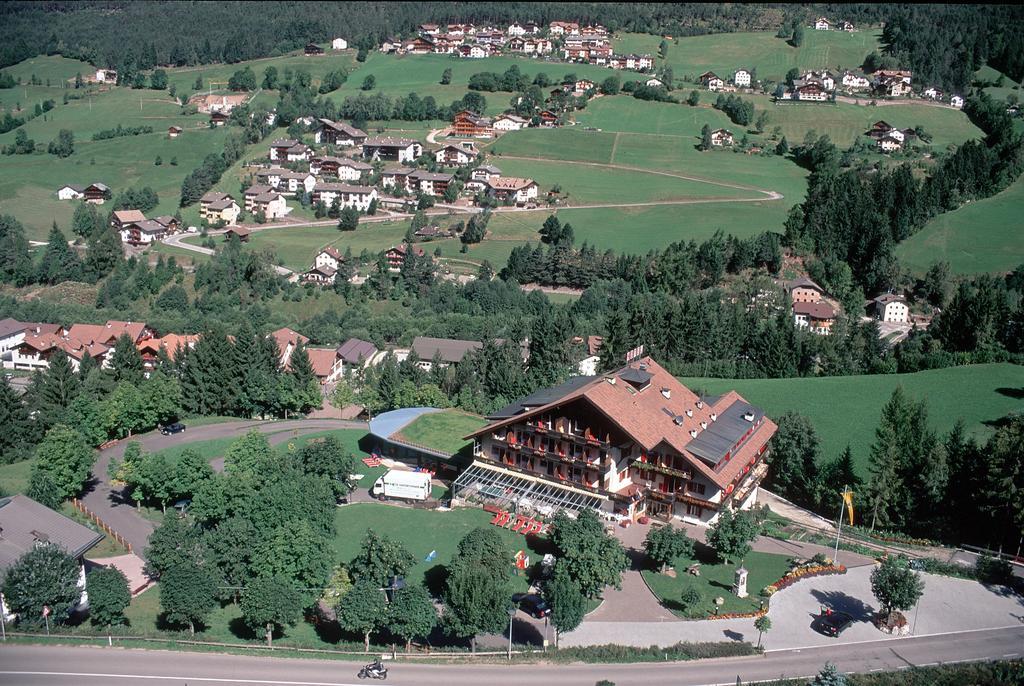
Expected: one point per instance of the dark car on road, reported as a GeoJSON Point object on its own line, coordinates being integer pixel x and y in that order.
{"type": "Point", "coordinates": [832, 623]}
{"type": "Point", "coordinates": [532, 604]}
{"type": "Point", "coordinates": [175, 428]}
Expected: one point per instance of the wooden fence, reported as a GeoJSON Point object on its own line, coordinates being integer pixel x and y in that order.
{"type": "Point", "coordinates": [80, 506]}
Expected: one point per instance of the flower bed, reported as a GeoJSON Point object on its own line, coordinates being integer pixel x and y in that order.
{"type": "Point", "coordinates": [805, 571]}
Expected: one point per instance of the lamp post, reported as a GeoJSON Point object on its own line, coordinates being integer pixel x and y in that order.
{"type": "Point", "coordinates": [511, 614]}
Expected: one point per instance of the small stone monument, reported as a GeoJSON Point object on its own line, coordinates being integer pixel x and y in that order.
{"type": "Point", "coordinates": [739, 586]}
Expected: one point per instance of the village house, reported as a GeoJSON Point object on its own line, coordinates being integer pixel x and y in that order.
{"type": "Point", "coordinates": [509, 122]}
{"type": "Point", "coordinates": [629, 443]}
{"type": "Point", "coordinates": [421, 45]}
{"type": "Point", "coordinates": [810, 92]}
{"type": "Point", "coordinates": [471, 125]}
{"type": "Point", "coordinates": [312, 50]}
{"type": "Point", "coordinates": [286, 180]}
{"type": "Point", "coordinates": [520, 191]}
{"type": "Point", "coordinates": [932, 93]}
{"type": "Point", "coordinates": [817, 317]}
{"type": "Point", "coordinates": [892, 308]}
{"type": "Point", "coordinates": [13, 332]}
{"type": "Point", "coordinates": [338, 133]}
{"type": "Point", "coordinates": [264, 199]}
{"type": "Point", "coordinates": [476, 52]}
{"type": "Point", "coordinates": [720, 137]}
{"type": "Point", "coordinates": [741, 78]}
{"type": "Point", "coordinates": [516, 29]}
{"type": "Point", "coordinates": [329, 257]}
{"type": "Point", "coordinates": [286, 340]}
{"type": "Point", "coordinates": [120, 219]}
{"type": "Point", "coordinates": [218, 207]}
{"type": "Point", "coordinates": [41, 341]}
{"type": "Point", "coordinates": [479, 177]}
{"type": "Point", "coordinates": [445, 351]}
{"type": "Point", "coordinates": [208, 103]}
{"type": "Point", "coordinates": [106, 76]}
{"type": "Point", "coordinates": [429, 29]}
{"type": "Point", "coordinates": [890, 142]}
{"type": "Point", "coordinates": [174, 131]}
{"type": "Point", "coordinates": [855, 82]}
{"type": "Point", "coordinates": [357, 197]}
{"type": "Point", "coordinates": [428, 183]}
{"type": "Point", "coordinates": [289, 150]}
{"type": "Point", "coordinates": [711, 81]}
{"type": "Point", "coordinates": [804, 290]}
{"type": "Point", "coordinates": [396, 254]}
{"type": "Point", "coordinates": [173, 344]}
{"type": "Point", "coordinates": [239, 232]}
{"type": "Point", "coordinates": [956, 101]}
{"type": "Point", "coordinates": [846, 26]}
{"type": "Point", "coordinates": [562, 28]}
{"type": "Point", "coordinates": [822, 24]}
{"type": "Point", "coordinates": [143, 232]}
{"type": "Point", "coordinates": [356, 354]}
{"type": "Point", "coordinates": [582, 86]}
{"type": "Point", "coordinates": [456, 155]}
{"type": "Point", "coordinates": [26, 525]}
{"type": "Point", "coordinates": [339, 44]}
{"type": "Point", "coordinates": [549, 119]}
{"type": "Point", "coordinates": [589, 357]}
{"type": "Point", "coordinates": [95, 193]}
{"type": "Point", "coordinates": [892, 87]}
{"type": "Point", "coordinates": [325, 364]}
{"type": "Point", "coordinates": [392, 149]}
{"type": "Point", "coordinates": [392, 177]}
{"type": "Point", "coordinates": [219, 119]}
{"type": "Point", "coordinates": [320, 275]}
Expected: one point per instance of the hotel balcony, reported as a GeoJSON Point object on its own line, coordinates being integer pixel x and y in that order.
{"type": "Point", "coordinates": [751, 481]}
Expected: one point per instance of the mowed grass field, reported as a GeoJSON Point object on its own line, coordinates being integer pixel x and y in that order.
{"type": "Point", "coordinates": [845, 410]}
{"type": "Point", "coordinates": [983, 236]}
{"type": "Point", "coordinates": [29, 183]}
{"type": "Point", "coordinates": [772, 57]}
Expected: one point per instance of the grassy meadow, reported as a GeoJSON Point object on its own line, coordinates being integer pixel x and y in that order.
{"type": "Point", "coordinates": [845, 410]}
{"type": "Point", "coordinates": [772, 57]}
{"type": "Point", "coordinates": [982, 236]}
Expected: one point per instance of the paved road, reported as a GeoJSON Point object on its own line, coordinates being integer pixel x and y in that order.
{"type": "Point", "coordinates": [117, 511]}
{"type": "Point", "coordinates": [22, 665]}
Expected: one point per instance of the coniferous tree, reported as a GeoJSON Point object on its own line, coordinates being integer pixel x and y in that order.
{"type": "Point", "coordinates": [300, 369]}
{"type": "Point", "coordinates": [54, 389]}
{"type": "Point", "coordinates": [59, 261]}
{"type": "Point", "coordinates": [15, 262]}
{"type": "Point", "coordinates": [16, 437]}
{"type": "Point", "coordinates": [126, 361]}
{"type": "Point", "coordinates": [549, 351]}
{"type": "Point", "coordinates": [884, 489]}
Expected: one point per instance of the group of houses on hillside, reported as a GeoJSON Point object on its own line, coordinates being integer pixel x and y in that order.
{"type": "Point", "coordinates": [590, 44]}
{"type": "Point", "coordinates": [816, 311]}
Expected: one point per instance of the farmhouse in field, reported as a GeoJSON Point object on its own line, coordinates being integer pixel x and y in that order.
{"type": "Point", "coordinates": [313, 49]}
{"type": "Point", "coordinates": [956, 101]}
{"type": "Point", "coordinates": [320, 275]}
{"type": "Point", "coordinates": [289, 150]}
{"type": "Point", "coordinates": [720, 137]}
{"type": "Point", "coordinates": [106, 76]}
{"type": "Point", "coordinates": [711, 81]}
{"type": "Point", "coordinates": [396, 254]}
{"type": "Point", "coordinates": [339, 44]}
{"type": "Point", "coordinates": [455, 155]}
{"type": "Point", "coordinates": [445, 351]}
{"type": "Point", "coordinates": [509, 122]}
{"type": "Point", "coordinates": [817, 317]}
{"type": "Point", "coordinates": [741, 78]}
{"type": "Point", "coordinates": [892, 308]}
{"type": "Point", "coordinates": [393, 149]}
{"type": "Point", "coordinates": [120, 219]}
{"type": "Point", "coordinates": [96, 193]}
{"type": "Point", "coordinates": [855, 82]}
{"type": "Point", "coordinates": [822, 24]}
{"type": "Point", "coordinates": [208, 103]}
{"type": "Point", "coordinates": [174, 131]}
{"type": "Point", "coordinates": [631, 442]}
{"type": "Point", "coordinates": [338, 133]}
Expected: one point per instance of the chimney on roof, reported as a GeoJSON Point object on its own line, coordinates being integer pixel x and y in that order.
{"type": "Point", "coordinates": [693, 433]}
{"type": "Point", "coordinates": [666, 392]}
{"type": "Point", "coordinates": [703, 425]}
{"type": "Point", "coordinates": [689, 412]}
{"type": "Point", "coordinates": [748, 416]}
{"type": "Point", "coordinates": [714, 416]}
{"type": "Point", "coordinates": [610, 379]}
{"type": "Point", "coordinates": [700, 404]}
{"type": "Point", "coordinates": [678, 420]}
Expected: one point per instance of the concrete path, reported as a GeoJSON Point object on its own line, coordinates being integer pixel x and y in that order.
{"type": "Point", "coordinates": [117, 511]}
{"type": "Point", "coordinates": [131, 566]}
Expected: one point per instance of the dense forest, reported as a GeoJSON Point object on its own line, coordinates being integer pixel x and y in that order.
{"type": "Point", "coordinates": [942, 43]}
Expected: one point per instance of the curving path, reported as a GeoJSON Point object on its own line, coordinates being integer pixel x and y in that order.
{"type": "Point", "coordinates": [117, 510]}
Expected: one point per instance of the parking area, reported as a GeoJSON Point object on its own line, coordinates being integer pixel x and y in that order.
{"type": "Point", "coordinates": [947, 606]}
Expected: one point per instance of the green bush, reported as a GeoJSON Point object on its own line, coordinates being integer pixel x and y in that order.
{"type": "Point", "coordinates": [677, 652]}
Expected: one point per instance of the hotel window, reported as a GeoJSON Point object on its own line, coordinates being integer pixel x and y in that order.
{"type": "Point", "coordinates": [694, 510]}
{"type": "Point", "coordinates": [694, 487]}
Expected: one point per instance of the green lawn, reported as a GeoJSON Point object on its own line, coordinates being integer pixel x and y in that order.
{"type": "Point", "coordinates": [983, 236]}
{"type": "Point", "coordinates": [29, 183]}
{"type": "Point", "coordinates": [442, 430]}
{"type": "Point", "coordinates": [716, 581]}
{"type": "Point", "coordinates": [772, 57]}
{"type": "Point", "coordinates": [583, 184]}
{"type": "Point", "coordinates": [845, 410]}
{"type": "Point", "coordinates": [53, 67]}
{"type": "Point", "coordinates": [14, 477]}
{"type": "Point", "coordinates": [421, 531]}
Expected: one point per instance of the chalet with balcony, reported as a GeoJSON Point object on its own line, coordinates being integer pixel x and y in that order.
{"type": "Point", "coordinates": [289, 150]}
{"type": "Point", "coordinates": [471, 125]}
{"type": "Point", "coordinates": [816, 317]}
{"type": "Point", "coordinates": [392, 149]}
{"type": "Point", "coordinates": [630, 443]}
{"type": "Point", "coordinates": [338, 133]}
{"type": "Point", "coordinates": [455, 155]}
{"type": "Point", "coordinates": [512, 189]}
{"type": "Point", "coordinates": [358, 197]}
{"type": "Point", "coordinates": [428, 183]}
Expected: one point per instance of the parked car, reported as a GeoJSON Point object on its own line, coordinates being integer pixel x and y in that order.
{"type": "Point", "coordinates": [832, 623]}
{"type": "Point", "coordinates": [175, 428]}
{"type": "Point", "coordinates": [532, 604]}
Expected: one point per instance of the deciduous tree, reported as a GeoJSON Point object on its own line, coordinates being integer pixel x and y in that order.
{"type": "Point", "coordinates": [412, 614]}
{"type": "Point", "coordinates": [45, 576]}
{"type": "Point", "coordinates": [895, 585]}
{"type": "Point", "coordinates": [108, 596]}
{"type": "Point", "coordinates": [188, 594]}
{"type": "Point", "coordinates": [731, 534]}
{"type": "Point", "coordinates": [269, 604]}
{"type": "Point", "coordinates": [363, 610]}
{"type": "Point", "coordinates": [664, 544]}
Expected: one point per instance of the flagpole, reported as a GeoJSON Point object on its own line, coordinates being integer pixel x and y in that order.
{"type": "Point", "coordinates": [839, 527]}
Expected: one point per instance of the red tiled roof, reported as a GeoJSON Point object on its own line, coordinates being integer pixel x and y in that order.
{"type": "Point", "coordinates": [284, 336]}
{"type": "Point", "coordinates": [322, 360]}
{"type": "Point", "coordinates": [101, 333]}
{"type": "Point", "coordinates": [814, 310]}
{"type": "Point", "coordinates": [652, 419]}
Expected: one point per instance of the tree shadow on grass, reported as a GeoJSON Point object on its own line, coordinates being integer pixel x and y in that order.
{"type": "Point", "coordinates": [239, 629]}
{"type": "Point", "coordinates": [434, 579]}
{"type": "Point", "coordinates": [842, 602]}
{"type": "Point", "coordinates": [1015, 393]}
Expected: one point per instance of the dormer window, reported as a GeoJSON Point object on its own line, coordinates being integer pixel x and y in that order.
{"type": "Point", "coordinates": [689, 413]}
{"type": "Point", "coordinates": [693, 433]}
{"type": "Point", "coordinates": [703, 425]}
{"type": "Point", "coordinates": [748, 416]}
{"type": "Point", "coordinates": [714, 416]}
{"type": "Point", "coordinates": [700, 404]}
{"type": "Point", "coordinates": [666, 392]}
